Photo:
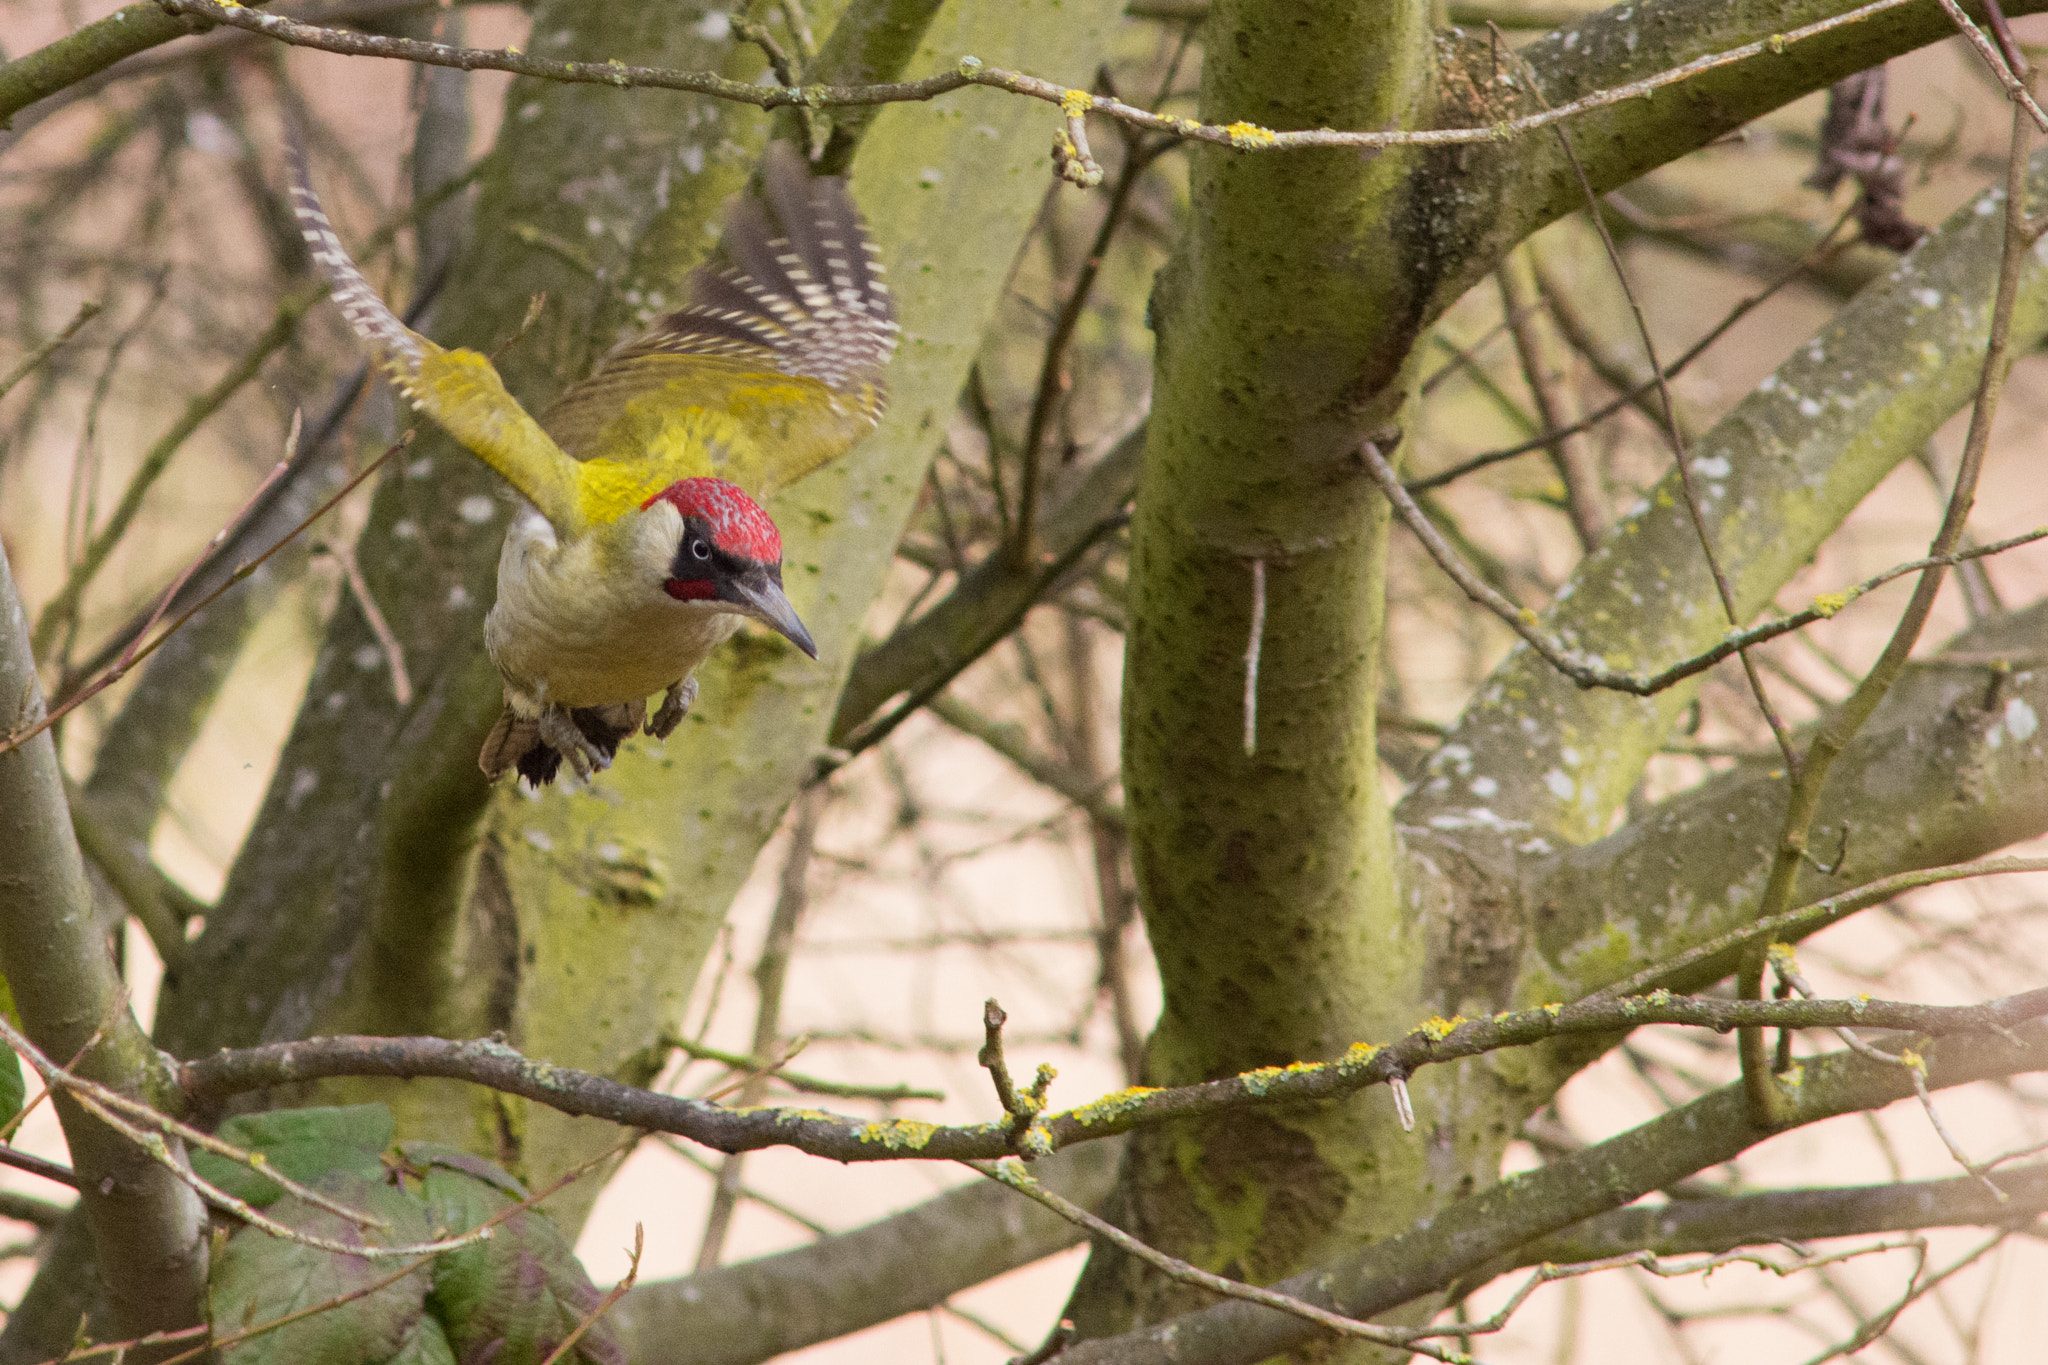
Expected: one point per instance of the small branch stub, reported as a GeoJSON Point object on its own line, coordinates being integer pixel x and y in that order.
{"type": "Point", "coordinates": [1404, 1108]}
{"type": "Point", "coordinates": [1253, 645]}
{"type": "Point", "coordinates": [1025, 1107]}
{"type": "Point", "coordinates": [1071, 155]}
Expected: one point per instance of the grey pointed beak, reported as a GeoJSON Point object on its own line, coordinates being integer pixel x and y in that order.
{"type": "Point", "coordinates": [763, 599]}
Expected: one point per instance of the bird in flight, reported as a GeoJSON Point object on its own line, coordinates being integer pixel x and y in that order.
{"type": "Point", "coordinates": [645, 544]}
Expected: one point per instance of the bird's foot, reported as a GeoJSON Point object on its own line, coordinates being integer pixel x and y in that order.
{"type": "Point", "coordinates": [559, 731]}
{"type": "Point", "coordinates": [675, 704]}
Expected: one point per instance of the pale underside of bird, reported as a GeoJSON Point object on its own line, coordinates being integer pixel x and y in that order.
{"type": "Point", "coordinates": [645, 546]}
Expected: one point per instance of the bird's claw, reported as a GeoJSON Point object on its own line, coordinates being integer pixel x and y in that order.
{"type": "Point", "coordinates": [560, 733]}
{"type": "Point", "coordinates": [675, 704]}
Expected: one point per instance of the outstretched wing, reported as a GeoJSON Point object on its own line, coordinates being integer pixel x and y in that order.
{"type": "Point", "coordinates": [773, 367]}
{"type": "Point", "coordinates": [458, 389]}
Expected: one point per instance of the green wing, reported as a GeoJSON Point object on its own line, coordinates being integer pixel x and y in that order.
{"type": "Point", "coordinates": [772, 369]}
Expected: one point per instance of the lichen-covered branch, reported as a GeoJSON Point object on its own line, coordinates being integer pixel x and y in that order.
{"type": "Point", "coordinates": [486, 1062]}
{"type": "Point", "coordinates": [127, 31]}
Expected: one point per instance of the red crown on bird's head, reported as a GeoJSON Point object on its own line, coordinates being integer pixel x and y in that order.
{"type": "Point", "coordinates": [738, 525]}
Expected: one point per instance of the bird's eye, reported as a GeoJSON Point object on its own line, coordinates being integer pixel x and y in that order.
{"type": "Point", "coordinates": [700, 549]}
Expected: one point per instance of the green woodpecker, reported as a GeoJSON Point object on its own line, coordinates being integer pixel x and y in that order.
{"type": "Point", "coordinates": [644, 547]}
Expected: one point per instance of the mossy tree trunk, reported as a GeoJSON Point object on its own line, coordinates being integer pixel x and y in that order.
{"type": "Point", "coordinates": [1291, 912]}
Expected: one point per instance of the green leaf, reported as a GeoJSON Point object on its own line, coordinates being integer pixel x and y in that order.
{"type": "Point", "coordinates": [258, 1278]}
{"type": "Point", "coordinates": [304, 1144]}
{"type": "Point", "coordinates": [12, 1088]}
{"type": "Point", "coordinates": [515, 1297]}
{"type": "Point", "coordinates": [427, 1345]}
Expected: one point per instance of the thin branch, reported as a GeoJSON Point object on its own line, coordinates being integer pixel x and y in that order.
{"type": "Point", "coordinates": [1787, 968]}
{"type": "Point", "coordinates": [116, 1110]}
{"type": "Point", "coordinates": [87, 311]}
{"type": "Point", "coordinates": [1468, 1233]}
{"type": "Point", "coordinates": [2015, 87]}
{"type": "Point", "coordinates": [771, 973]}
{"type": "Point", "coordinates": [14, 739]}
{"type": "Point", "coordinates": [1592, 672]}
{"type": "Point", "coordinates": [387, 639]}
{"type": "Point", "coordinates": [1023, 1107]}
{"type": "Point", "coordinates": [1796, 924]}
{"type": "Point", "coordinates": [1049, 574]}
{"type": "Point", "coordinates": [747, 1192]}
{"type": "Point", "coordinates": [809, 1085]}
{"type": "Point", "coordinates": [1809, 776]}
{"type": "Point", "coordinates": [1010, 741]}
{"type": "Point", "coordinates": [1010, 1172]}
{"type": "Point", "coordinates": [35, 1165]}
{"type": "Point", "coordinates": [1680, 462]}
{"type": "Point", "coordinates": [1638, 394]}
{"type": "Point", "coordinates": [604, 1305]}
{"type": "Point", "coordinates": [1240, 136]}
{"type": "Point", "coordinates": [1052, 368]}
{"type": "Point", "coordinates": [1544, 371]}
{"type": "Point", "coordinates": [63, 607]}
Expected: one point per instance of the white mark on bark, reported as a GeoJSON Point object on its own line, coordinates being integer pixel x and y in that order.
{"type": "Point", "coordinates": [1251, 658]}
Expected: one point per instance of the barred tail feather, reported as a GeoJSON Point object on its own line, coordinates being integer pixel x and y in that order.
{"type": "Point", "coordinates": [396, 344]}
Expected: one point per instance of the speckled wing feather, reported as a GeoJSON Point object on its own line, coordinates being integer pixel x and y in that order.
{"type": "Point", "coordinates": [773, 367]}
{"type": "Point", "coordinates": [459, 389]}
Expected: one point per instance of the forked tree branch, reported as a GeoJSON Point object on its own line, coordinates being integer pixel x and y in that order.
{"type": "Point", "coordinates": [148, 1227]}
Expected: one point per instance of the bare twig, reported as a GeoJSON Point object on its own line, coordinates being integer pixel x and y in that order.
{"type": "Point", "coordinates": [64, 606]}
{"type": "Point", "coordinates": [604, 1305]}
{"type": "Point", "coordinates": [1787, 968]}
{"type": "Point", "coordinates": [1010, 1172]}
{"type": "Point", "coordinates": [1052, 368]}
{"type": "Point", "coordinates": [2013, 80]}
{"type": "Point", "coordinates": [810, 1085]}
{"type": "Point", "coordinates": [113, 675]}
{"type": "Point", "coordinates": [1680, 463]}
{"type": "Point", "coordinates": [35, 1165]}
{"type": "Point", "coordinates": [1023, 1106]}
{"type": "Point", "coordinates": [387, 639]}
{"type": "Point", "coordinates": [1637, 395]}
{"type": "Point", "coordinates": [87, 311]}
{"type": "Point", "coordinates": [1240, 136]}
{"type": "Point", "coordinates": [771, 972]}
{"type": "Point", "coordinates": [1544, 372]}
{"type": "Point", "coordinates": [1593, 672]}
{"type": "Point", "coordinates": [1809, 776]}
